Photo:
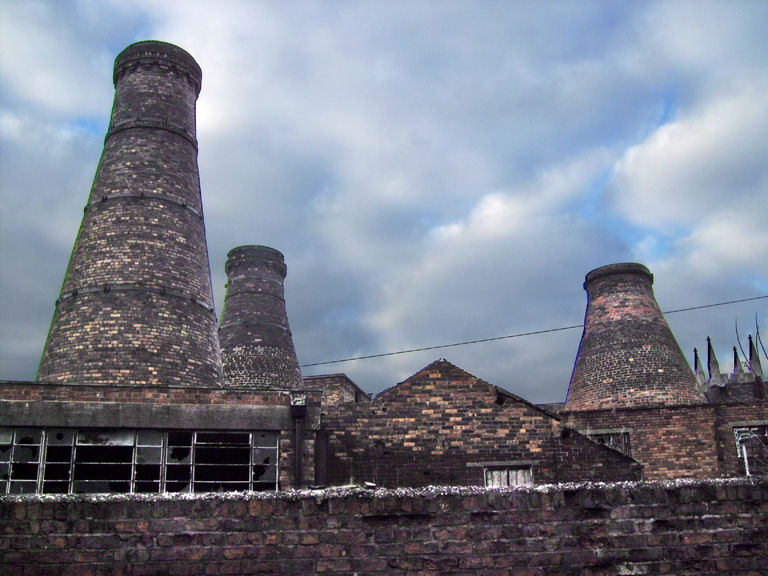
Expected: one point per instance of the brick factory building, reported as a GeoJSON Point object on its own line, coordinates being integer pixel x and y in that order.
{"type": "Point", "coordinates": [140, 390]}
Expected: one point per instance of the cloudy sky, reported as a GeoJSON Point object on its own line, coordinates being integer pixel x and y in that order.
{"type": "Point", "coordinates": [434, 172]}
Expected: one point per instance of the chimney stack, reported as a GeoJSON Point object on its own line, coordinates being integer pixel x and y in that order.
{"type": "Point", "coordinates": [628, 355]}
{"type": "Point", "coordinates": [136, 306]}
{"type": "Point", "coordinates": [254, 335]}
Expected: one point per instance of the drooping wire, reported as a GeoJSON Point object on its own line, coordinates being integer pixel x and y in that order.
{"type": "Point", "coordinates": [519, 335]}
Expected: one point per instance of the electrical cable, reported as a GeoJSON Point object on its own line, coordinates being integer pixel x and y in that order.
{"type": "Point", "coordinates": [519, 335]}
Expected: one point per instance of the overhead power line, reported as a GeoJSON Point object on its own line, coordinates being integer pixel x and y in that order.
{"type": "Point", "coordinates": [509, 336]}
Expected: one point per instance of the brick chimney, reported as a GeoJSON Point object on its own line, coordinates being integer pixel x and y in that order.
{"type": "Point", "coordinates": [256, 344]}
{"type": "Point", "coordinates": [628, 355]}
{"type": "Point", "coordinates": [136, 306]}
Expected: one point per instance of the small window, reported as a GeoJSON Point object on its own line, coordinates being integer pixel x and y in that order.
{"type": "Point", "coordinates": [616, 440]}
{"type": "Point", "coordinates": [752, 449]}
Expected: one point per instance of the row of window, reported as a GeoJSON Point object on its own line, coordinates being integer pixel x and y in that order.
{"type": "Point", "coordinates": [70, 461]}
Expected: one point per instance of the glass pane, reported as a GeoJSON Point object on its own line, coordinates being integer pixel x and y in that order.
{"type": "Point", "coordinates": [150, 472]}
{"type": "Point", "coordinates": [265, 438]}
{"type": "Point", "coordinates": [102, 471]}
{"type": "Point", "coordinates": [61, 437]}
{"type": "Point", "coordinates": [6, 435]}
{"type": "Point", "coordinates": [28, 436]}
{"type": "Point", "coordinates": [265, 455]}
{"type": "Point", "coordinates": [104, 454]}
{"type": "Point", "coordinates": [58, 454]}
{"type": "Point", "coordinates": [228, 438]}
{"type": "Point", "coordinates": [179, 455]}
{"type": "Point", "coordinates": [179, 438]}
{"type": "Point", "coordinates": [178, 473]}
{"type": "Point", "coordinates": [147, 487]}
{"type": "Point", "coordinates": [265, 474]}
{"type": "Point", "coordinates": [55, 487]}
{"type": "Point", "coordinates": [105, 437]}
{"type": "Point", "coordinates": [216, 455]}
{"type": "Point", "coordinates": [177, 486]}
{"type": "Point", "coordinates": [149, 438]}
{"type": "Point", "coordinates": [221, 473]}
{"type": "Point", "coordinates": [57, 472]}
{"type": "Point", "coordinates": [148, 455]}
{"type": "Point", "coordinates": [24, 472]}
{"type": "Point", "coordinates": [23, 487]}
{"type": "Point", "coordinates": [26, 454]}
{"type": "Point", "coordinates": [3, 487]}
{"type": "Point", "coordinates": [5, 453]}
{"type": "Point", "coordinates": [4, 471]}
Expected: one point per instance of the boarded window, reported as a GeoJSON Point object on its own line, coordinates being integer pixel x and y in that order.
{"type": "Point", "coordinates": [512, 476]}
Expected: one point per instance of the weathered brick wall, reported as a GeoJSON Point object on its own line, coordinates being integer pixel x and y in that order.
{"type": "Point", "coordinates": [670, 442]}
{"type": "Point", "coordinates": [336, 389]}
{"type": "Point", "coordinates": [703, 528]}
{"type": "Point", "coordinates": [678, 441]}
{"type": "Point", "coordinates": [441, 425]}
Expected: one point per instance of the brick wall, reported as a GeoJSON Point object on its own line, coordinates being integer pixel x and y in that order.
{"type": "Point", "coordinates": [678, 441]}
{"type": "Point", "coordinates": [703, 527]}
{"type": "Point", "coordinates": [444, 426]}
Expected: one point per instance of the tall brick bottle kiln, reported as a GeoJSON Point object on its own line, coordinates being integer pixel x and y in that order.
{"type": "Point", "coordinates": [136, 306]}
{"type": "Point", "coordinates": [256, 344]}
{"type": "Point", "coordinates": [628, 355]}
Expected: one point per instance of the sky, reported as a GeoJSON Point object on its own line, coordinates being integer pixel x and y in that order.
{"type": "Point", "coordinates": [433, 172]}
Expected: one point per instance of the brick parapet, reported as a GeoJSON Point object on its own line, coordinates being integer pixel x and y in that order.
{"type": "Point", "coordinates": [672, 528]}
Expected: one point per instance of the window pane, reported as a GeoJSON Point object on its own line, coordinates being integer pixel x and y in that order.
{"type": "Point", "coordinates": [265, 438]}
{"type": "Point", "coordinates": [149, 438]}
{"type": "Point", "coordinates": [57, 472]}
{"type": "Point", "coordinates": [58, 454]}
{"type": "Point", "coordinates": [148, 472]}
{"type": "Point", "coordinates": [5, 453]}
{"type": "Point", "coordinates": [24, 472]}
{"type": "Point", "coordinates": [55, 487]}
{"type": "Point", "coordinates": [28, 436]}
{"type": "Point", "coordinates": [179, 438]}
{"type": "Point", "coordinates": [105, 437]}
{"type": "Point", "coordinates": [148, 455]}
{"type": "Point", "coordinates": [6, 435]}
{"type": "Point", "coordinates": [104, 454]}
{"type": "Point", "coordinates": [179, 455]}
{"type": "Point", "coordinates": [26, 454]}
{"type": "Point", "coordinates": [61, 437]}
{"type": "Point", "coordinates": [23, 487]}
{"type": "Point", "coordinates": [228, 438]}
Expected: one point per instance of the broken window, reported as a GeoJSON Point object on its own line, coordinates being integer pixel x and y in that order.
{"type": "Point", "coordinates": [144, 461]}
{"type": "Point", "coordinates": [508, 476]}
{"type": "Point", "coordinates": [752, 448]}
{"type": "Point", "coordinates": [618, 440]}
{"type": "Point", "coordinates": [19, 460]}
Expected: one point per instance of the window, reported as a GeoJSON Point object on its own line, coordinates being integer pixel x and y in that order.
{"type": "Point", "coordinates": [140, 461]}
{"type": "Point", "coordinates": [19, 460]}
{"type": "Point", "coordinates": [513, 476]}
{"type": "Point", "coordinates": [752, 448]}
{"type": "Point", "coordinates": [616, 439]}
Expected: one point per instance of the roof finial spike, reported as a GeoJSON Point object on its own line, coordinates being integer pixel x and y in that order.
{"type": "Point", "coordinates": [713, 365]}
{"type": "Point", "coordinates": [701, 375]}
{"type": "Point", "coordinates": [754, 360]}
{"type": "Point", "coordinates": [738, 368]}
